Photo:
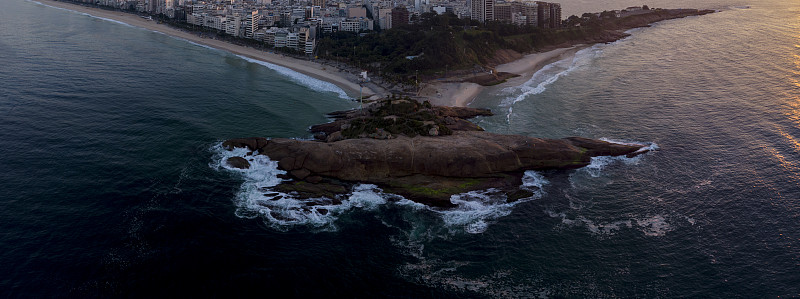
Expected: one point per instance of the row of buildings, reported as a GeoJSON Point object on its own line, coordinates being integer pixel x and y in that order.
{"type": "Point", "coordinates": [297, 24]}
{"type": "Point", "coordinates": [533, 13]}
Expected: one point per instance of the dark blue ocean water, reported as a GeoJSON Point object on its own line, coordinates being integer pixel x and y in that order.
{"type": "Point", "coordinates": [111, 183]}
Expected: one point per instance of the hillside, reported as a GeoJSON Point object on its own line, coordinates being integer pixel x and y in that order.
{"type": "Point", "coordinates": [441, 45]}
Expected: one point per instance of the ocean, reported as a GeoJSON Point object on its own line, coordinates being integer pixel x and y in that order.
{"type": "Point", "coordinates": [112, 183]}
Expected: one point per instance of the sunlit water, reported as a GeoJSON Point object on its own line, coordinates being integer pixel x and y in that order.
{"type": "Point", "coordinates": [113, 184]}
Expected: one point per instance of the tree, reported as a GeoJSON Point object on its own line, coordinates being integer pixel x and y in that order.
{"type": "Point", "coordinates": [572, 21]}
{"type": "Point", "coordinates": [608, 14]}
{"type": "Point", "coordinates": [645, 7]}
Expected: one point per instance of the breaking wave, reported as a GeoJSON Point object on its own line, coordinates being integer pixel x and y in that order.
{"type": "Point", "coordinates": [475, 210]}
{"type": "Point", "coordinates": [302, 79]}
{"type": "Point", "coordinates": [299, 78]}
{"type": "Point", "coordinates": [280, 210]}
{"type": "Point", "coordinates": [257, 198]}
{"type": "Point", "coordinates": [549, 74]}
{"type": "Point", "coordinates": [83, 13]}
{"type": "Point", "coordinates": [598, 164]}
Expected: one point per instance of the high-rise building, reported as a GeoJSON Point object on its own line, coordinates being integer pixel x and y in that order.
{"type": "Point", "coordinates": [530, 10]}
{"type": "Point", "coordinates": [555, 15]}
{"type": "Point", "coordinates": [483, 10]}
{"type": "Point", "coordinates": [503, 11]}
{"type": "Point", "coordinates": [385, 18]}
{"type": "Point", "coordinates": [151, 6]}
{"type": "Point", "coordinates": [399, 16]}
{"type": "Point", "coordinates": [320, 3]}
{"type": "Point", "coordinates": [543, 14]}
{"type": "Point", "coordinates": [234, 26]}
{"type": "Point", "coordinates": [526, 12]}
{"type": "Point", "coordinates": [251, 24]}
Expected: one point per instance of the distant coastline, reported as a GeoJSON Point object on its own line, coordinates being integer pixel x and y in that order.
{"type": "Point", "coordinates": [458, 94]}
{"type": "Point", "coordinates": [455, 91]}
{"type": "Point", "coordinates": [343, 79]}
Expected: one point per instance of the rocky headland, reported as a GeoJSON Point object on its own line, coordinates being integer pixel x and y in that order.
{"type": "Point", "coordinates": [422, 152]}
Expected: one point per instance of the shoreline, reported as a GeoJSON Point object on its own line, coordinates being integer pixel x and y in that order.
{"type": "Point", "coordinates": [454, 91]}
{"type": "Point", "coordinates": [461, 94]}
{"type": "Point", "coordinates": [338, 77]}
{"type": "Point", "coordinates": [456, 94]}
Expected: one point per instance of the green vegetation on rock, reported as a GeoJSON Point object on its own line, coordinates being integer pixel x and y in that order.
{"type": "Point", "coordinates": [395, 116]}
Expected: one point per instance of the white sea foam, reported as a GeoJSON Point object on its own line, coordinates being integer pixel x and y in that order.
{"type": "Point", "coordinates": [598, 164]}
{"type": "Point", "coordinates": [449, 275]}
{"type": "Point", "coordinates": [648, 146]}
{"type": "Point", "coordinates": [281, 210]}
{"type": "Point", "coordinates": [111, 20]}
{"type": "Point", "coordinates": [549, 74]}
{"type": "Point", "coordinates": [83, 13]}
{"type": "Point", "coordinates": [608, 228]}
{"type": "Point", "coordinates": [651, 226]}
{"type": "Point", "coordinates": [302, 79]}
{"type": "Point", "coordinates": [475, 210]}
{"type": "Point", "coordinates": [299, 78]}
{"type": "Point", "coordinates": [256, 198]}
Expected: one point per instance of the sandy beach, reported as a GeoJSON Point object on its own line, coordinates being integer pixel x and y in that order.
{"type": "Point", "coordinates": [460, 94]}
{"type": "Point", "coordinates": [531, 63]}
{"type": "Point", "coordinates": [343, 79]}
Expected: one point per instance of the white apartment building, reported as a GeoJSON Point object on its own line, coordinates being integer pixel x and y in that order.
{"type": "Point", "coordinates": [309, 48]}
{"type": "Point", "coordinates": [197, 19]}
{"type": "Point", "coordinates": [234, 26]}
{"type": "Point", "coordinates": [292, 40]}
{"type": "Point", "coordinates": [216, 22]}
{"type": "Point", "coordinates": [281, 38]}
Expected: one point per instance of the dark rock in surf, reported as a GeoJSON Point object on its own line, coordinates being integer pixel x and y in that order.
{"type": "Point", "coordinates": [238, 162]}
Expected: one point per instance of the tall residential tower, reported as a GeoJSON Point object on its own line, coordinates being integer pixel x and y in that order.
{"type": "Point", "coordinates": [483, 10]}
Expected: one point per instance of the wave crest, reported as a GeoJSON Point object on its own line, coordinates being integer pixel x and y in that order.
{"type": "Point", "coordinates": [302, 79]}
{"type": "Point", "coordinates": [475, 210]}
{"type": "Point", "coordinates": [549, 74]}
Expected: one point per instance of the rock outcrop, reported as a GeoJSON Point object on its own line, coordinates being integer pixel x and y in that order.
{"type": "Point", "coordinates": [471, 154]}
{"type": "Point", "coordinates": [483, 158]}
{"type": "Point", "coordinates": [423, 167]}
{"type": "Point", "coordinates": [238, 162]}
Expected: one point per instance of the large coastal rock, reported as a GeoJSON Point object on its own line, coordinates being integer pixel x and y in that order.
{"type": "Point", "coordinates": [465, 154]}
{"type": "Point", "coordinates": [422, 152]}
{"type": "Point", "coordinates": [470, 159]}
